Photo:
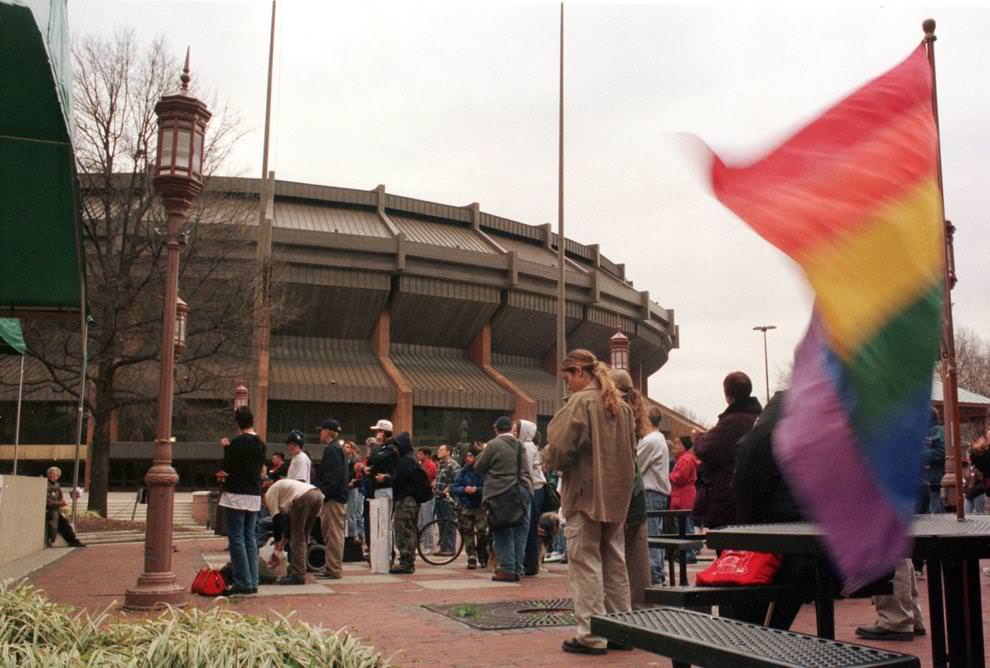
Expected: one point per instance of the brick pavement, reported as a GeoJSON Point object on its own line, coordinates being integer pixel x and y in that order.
{"type": "Point", "coordinates": [387, 611]}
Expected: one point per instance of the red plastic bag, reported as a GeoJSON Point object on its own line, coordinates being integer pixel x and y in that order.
{"type": "Point", "coordinates": [740, 567]}
{"type": "Point", "coordinates": [208, 582]}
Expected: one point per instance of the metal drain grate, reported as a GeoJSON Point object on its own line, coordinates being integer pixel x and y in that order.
{"type": "Point", "coordinates": [510, 614]}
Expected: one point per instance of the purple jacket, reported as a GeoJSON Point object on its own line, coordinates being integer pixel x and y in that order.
{"type": "Point", "coordinates": [716, 449]}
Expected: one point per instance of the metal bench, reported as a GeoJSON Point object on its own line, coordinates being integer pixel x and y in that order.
{"type": "Point", "coordinates": [703, 599]}
{"type": "Point", "coordinates": [694, 638]}
{"type": "Point", "coordinates": [676, 550]}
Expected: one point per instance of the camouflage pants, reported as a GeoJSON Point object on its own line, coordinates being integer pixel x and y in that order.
{"type": "Point", "coordinates": [404, 523]}
{"type": "Point", "coordinates": [473, 525]}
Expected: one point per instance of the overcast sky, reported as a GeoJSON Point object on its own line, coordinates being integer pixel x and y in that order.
{"type": "Point", "coordinates": [458, 103]}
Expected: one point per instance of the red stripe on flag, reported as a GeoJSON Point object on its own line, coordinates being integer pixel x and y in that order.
{"type": "Point", "coordinates": [842, 194]}
{"type": "Point", "coordinates": [856, 118]}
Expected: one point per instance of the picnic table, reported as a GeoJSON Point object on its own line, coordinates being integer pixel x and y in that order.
{"type": "Point", "coordinates": [951, 549]}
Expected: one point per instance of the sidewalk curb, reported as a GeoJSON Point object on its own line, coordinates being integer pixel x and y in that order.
{"type": "Point", "coordinates": [23, 567]}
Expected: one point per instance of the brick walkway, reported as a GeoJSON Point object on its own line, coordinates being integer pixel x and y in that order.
{"type": "Point", "coordinates": [387, 612]}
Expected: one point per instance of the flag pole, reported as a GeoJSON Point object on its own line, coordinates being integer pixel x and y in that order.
{"type": "Point", "coordinates": [561, 253]}
{"type": "Point", "coordinates": [263, 333]}
{"type": "Point", "coordinates": [950, 379]}
{"type": "Point", "coordinates": [20, 400]}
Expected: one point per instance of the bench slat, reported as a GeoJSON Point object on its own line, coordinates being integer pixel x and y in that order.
{"type": "Point", "coordinates": [698, 639]}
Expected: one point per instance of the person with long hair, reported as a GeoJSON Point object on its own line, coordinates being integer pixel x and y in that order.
{"type": "Point", "coordinates": [638, 557]}
{"type": "Point", "coordinates": [591, 441]}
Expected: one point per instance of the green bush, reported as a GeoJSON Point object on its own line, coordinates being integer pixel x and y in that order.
{"type": "Point", "coordinates": [34, 632]}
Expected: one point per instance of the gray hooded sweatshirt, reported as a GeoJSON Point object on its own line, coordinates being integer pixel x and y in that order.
{"type": "Point", "coordinates": [526, 432]}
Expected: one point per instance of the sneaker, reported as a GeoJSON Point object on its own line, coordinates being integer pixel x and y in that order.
{"type": "Point", "coordinates": [402, 570]}
{"type": "Point", "coordinates": [505, 577]}
{"type": "Point", "coordinates": [324, 575]}
{"type": "Point", "coordinates": [574, 647]}
{"type": "Point", "coordinates": [472, 564]}
{"type": "Point", "coordinates": [291, 580]}
{"type": "Point", "coordinates": [553, 557]}
{"type": "Point", "coordinates": [878, 632]}
{"type": "Point", "coordinates": [234, 590]}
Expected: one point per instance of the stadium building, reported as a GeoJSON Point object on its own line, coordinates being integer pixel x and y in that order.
{"type": "Point", "coordinates": [435, 316]}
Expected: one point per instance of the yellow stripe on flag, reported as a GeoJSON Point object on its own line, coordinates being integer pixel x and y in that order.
{"type": "Point", "coordinates": [870, 274]}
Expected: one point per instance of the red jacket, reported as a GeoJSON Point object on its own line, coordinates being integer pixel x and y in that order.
{"type": "Point", "coordinates": [682, 480]}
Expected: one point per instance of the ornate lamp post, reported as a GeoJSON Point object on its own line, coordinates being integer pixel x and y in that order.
{"type": "Point", "coordinates": [240, 396]}
{"type": "Point", "coordinates": [178, 177]}
{"type": "Point", "coordinates": [618, 350]}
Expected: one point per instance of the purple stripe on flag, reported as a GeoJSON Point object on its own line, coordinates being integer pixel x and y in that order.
{"type": "Point", "coordinates": [819, 457]}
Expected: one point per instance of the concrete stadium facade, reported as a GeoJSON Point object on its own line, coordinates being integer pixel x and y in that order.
{"type": "Point", "coordinates": [435, 316]}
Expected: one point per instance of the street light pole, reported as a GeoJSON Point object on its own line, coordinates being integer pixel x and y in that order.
{"type": "Point", "coordinates": [178, 177]}
{"type": "Point", "coordinates": [766, 364]}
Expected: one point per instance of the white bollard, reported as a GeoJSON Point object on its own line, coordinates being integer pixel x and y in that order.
{"type": "Point", "coordinates": [380, 519]}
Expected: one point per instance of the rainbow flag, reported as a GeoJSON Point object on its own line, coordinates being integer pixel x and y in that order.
{"type": "Point", "coordinates": [854, 199]}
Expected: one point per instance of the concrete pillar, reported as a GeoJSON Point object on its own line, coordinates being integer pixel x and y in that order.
{"type": "Point", "coordinates": [479, 351]}
{"type": "Point", "coordinates": [381, 336]}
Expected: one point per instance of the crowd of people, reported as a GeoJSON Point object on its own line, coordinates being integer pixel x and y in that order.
{"type": "Point", "coordinates": [583, 497]}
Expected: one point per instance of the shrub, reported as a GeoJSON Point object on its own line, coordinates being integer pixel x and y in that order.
{"type": "Point", "coordinates": [36, 632]}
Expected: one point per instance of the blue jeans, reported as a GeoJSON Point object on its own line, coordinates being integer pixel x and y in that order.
{"type": "Point", "coordinates": [976, 505]}
{"type": "Point", "coordinates": [242, 539]}
{"type": "Point", "coordinates": [654, 527]}
{"type": "Point", "coordinates": [425, 517]}
{"type": "Point", "coordinates": [448, 536]}
{"type": "Point", "coordinates": [510, 542]}
{"type": "Point", "coordinates": [531, 561]}
{"type": "Point", "coordinates": [935, 503]}
{"type": "Point", "coordinates": [355, 514]}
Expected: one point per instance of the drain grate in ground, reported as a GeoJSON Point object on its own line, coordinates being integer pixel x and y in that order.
{"type": "Point", "coordinates": [510, 614]}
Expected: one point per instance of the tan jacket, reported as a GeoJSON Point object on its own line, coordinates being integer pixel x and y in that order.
{"type": "Point", "coordinates": [594, 452]}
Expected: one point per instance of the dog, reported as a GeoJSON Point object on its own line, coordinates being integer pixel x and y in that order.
{"type": "Point", "coordinates": [547, 530]}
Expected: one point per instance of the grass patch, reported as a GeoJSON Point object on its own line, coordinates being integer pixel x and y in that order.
{"type": "Point", "coordinates": [468, 610]}
{"type": "Point", "coordinates": [35, 632]}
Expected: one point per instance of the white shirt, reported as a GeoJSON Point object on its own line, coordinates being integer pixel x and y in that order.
{"type": "Point", "coordinates": [653, 458]}
{"type": "Point", "coordinates": [249, 502]}
{"type": "Point", "coordinates": [281, 495]}
{"type": "Point", "coordinates": [300, 468]}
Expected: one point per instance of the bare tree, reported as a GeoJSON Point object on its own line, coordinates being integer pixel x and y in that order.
{"type": "Point", "coordinates": [117, 84]}
{"type": "Point", "coordinates": [972, 361]}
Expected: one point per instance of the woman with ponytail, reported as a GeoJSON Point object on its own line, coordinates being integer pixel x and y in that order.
{"type": "Point", "coordinates": [637, 530]}
{"type": "Point", "coordinates": [592, 440]}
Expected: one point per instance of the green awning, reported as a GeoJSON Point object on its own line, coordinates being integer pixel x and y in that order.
{"type": "Point", "coordinates": [11, 337]}
{"type": "Point", "coordinates": [40, 240]}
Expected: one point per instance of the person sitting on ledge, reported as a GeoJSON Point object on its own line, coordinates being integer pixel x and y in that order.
{"type": "Point", "coordinates": [56, 521]}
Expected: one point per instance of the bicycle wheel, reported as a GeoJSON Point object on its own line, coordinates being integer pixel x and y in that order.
{"type": "Point", "coordinates": [428, 542]}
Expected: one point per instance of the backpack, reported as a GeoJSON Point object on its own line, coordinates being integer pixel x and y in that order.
{"type": "Point", "coordinates": [422, 490]}
{"type": "Point", "coordinates": [208, 582]}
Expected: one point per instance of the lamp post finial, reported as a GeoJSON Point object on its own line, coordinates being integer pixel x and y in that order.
{"type": "Point", "coordinates": [185, 73]}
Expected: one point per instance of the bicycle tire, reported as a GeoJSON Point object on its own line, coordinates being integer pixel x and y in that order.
{"type": "Point", "coordinates": [433, 530]}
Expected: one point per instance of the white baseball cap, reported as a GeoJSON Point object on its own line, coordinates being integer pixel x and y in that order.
{"type": "Point", "coordinates": [382, 425]}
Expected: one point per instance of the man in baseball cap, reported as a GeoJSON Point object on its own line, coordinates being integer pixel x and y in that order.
{"type": "Point", "coordinates": [333, 480]}
{"type": "Point", "coordinates": [382, 426]}
{"type": "Point", "coordinates": [300, 466]}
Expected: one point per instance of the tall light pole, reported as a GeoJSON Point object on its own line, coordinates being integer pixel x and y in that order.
{"type": "Point", "coordinates": [766, 364]}
{"type": "Point", "coordinates": [178, 177]}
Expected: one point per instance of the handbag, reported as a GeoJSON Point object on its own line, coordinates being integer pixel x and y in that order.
{"type": "Point", "coordinates": [208, 582]}
{"type": "Point", "coordinates": [509, 508]}
{"type": "Point", "coordinates": [740, 567]}
{"type": "Point", "coordinates": [551, 499]}
{"type": "Point", "coordinates": [636, 514]}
